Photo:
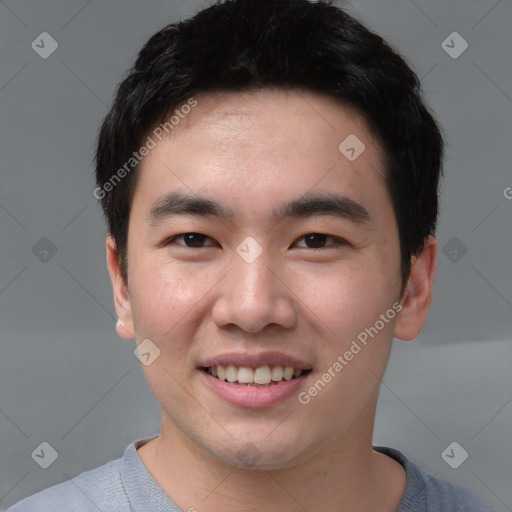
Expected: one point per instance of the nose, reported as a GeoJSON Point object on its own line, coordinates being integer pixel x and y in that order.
{"type": "Point", "coordinates": [253, 296]}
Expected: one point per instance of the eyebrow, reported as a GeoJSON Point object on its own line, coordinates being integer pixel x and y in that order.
{"type": "Point", "coordinates": [331, 205]}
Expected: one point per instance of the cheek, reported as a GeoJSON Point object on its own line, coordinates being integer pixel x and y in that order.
{"type": "Point", "coordinates": [346, 297]}
{"type": "Point", "coordinates": [165, 304]}
{"type": "Point", "coordinates": [350, 303]}
{"type": "Point", "coordinates": [354, 342]}
{"type": "Point", "coordinates": [165, 299]}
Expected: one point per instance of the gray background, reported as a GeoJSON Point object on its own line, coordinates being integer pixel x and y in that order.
{"type": "Point", "coordinates": [66, 377]}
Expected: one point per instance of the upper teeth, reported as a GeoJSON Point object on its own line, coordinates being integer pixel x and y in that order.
{"type": "Point", "coordinates": [260, 375]}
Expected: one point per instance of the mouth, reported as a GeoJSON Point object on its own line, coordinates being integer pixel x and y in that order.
{"type": "Point", "coordinates": [258, 377]}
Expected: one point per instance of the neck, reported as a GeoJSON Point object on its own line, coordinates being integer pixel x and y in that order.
{"type": "Point", "coordinates": [345, 475]}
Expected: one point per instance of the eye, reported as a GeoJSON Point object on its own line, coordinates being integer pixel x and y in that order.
{"type": "Point", "coordinates": [198, 240]}
{"type": "Point", "coordinates": [317, 241]}
{"type": "Point", "coordinates": [192, 240]}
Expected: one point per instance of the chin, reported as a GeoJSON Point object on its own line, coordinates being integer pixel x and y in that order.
{"type": "Point", "coordinates": [262, 453]}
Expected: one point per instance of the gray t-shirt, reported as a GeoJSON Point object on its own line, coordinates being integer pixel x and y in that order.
{"type": "Point", "coordinates": [125, 485]}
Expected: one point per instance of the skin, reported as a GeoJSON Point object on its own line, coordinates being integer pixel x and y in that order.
{"type": "Point", "coordinates": [251, 152]}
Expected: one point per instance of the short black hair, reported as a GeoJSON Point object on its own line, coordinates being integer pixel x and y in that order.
{"type": "Point", "coordinates": [243, 45]}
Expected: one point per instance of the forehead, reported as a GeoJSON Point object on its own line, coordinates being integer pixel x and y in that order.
{"type": "Point", "coordinates": [271, 145]}
{"type": "Point", "coordinates": [318, 115]}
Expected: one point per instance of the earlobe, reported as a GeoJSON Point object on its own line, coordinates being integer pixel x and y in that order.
{"type": "Point", "coordinates": [124, 326]}
{"type": "Point", "coordinates": [122, 331]}
{"type": "Point", "coordinates": [418, 294]}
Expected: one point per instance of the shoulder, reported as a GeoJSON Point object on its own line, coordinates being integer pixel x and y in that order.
{"type": "Point", "coordinates": [98, 489]}
{"type": "Point", "coordinates": [425, 492]}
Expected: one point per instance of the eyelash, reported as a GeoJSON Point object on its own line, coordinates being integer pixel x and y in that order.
{"type": "Point", "coordinates": [337, 241]}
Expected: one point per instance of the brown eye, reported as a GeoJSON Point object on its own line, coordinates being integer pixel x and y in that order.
{"type": "Point", "coordinates": [192, 240]}
{"type": "Point", "coordinates": [318, 241]}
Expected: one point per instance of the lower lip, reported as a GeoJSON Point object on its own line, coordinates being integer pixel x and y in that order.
{"type": "Point", "coordinates": [253, 397]}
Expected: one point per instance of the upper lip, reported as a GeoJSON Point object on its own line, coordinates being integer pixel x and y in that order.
{"type": "Point", "coordinates": [255, 360]}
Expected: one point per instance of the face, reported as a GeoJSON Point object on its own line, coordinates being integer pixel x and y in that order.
{"type": "Point", "coordinates": [255, 242]}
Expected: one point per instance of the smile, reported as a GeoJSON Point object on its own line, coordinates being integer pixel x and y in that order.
{"type": "Point", "coordinates": [254, 377]}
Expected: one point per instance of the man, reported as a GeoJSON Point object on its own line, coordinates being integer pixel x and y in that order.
{"type": "Point", "coordinates": [269, 177]}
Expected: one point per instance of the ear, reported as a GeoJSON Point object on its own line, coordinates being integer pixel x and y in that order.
{"type": "Point", "coordinates": [121, 297]}
{"type": "Point", "coordinates": [418, 293]}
